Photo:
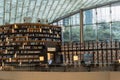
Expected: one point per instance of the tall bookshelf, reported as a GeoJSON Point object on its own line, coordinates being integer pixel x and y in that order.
{"type": "Point", "coordinates": [28, 43]}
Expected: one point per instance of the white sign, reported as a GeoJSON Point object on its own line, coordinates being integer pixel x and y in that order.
{"type": "Point", "coordinates": [51, 49]}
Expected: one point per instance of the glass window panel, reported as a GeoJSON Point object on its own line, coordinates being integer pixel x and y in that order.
{"type": "Point", "coordinates": [1, 11]}
{"type": "Point", "coordinates": [20, 4]}
{"type": "Point", "coordinates": [115, 13]}
{"type": "Point", "coordinates": [26, 3]}
{"type": "Point", "coordinates": [46, 12]}
{"type": "Point", "coordinates": [1, 3]}
{"type": "Point", "coordinates": [61, 2]}
{"type": "Point", "coordinates": [19, 9]}
{"type": "Point", "coordinates": [115, 31]}
{"type": "Point", "coordinates": [70, 4]}
{"type": "Point", "coordinates": [38, 2]}
{"type": "Point", "coordinates": [54, 5]}
{"type": "Point", "coordinates": [35, 12]}
{"type": "Point", "coordinates": [54, 23]}
{"type": "Point", "coordinates": [60, 23]}
{"type": "Point", "coordinates": [66, 21]}
{"type": "Point", "coordinates": [50, 13]}
{"type": "Point", "coordinates": [7, 7]}
{"type": "Point", "coordinates": [75, 33]}
{"type": "Point", "coordinates": [89, 16]}
{"type": "Point", "coordinates": [103, 14]}
{"type": "Point", "coordinates": [1, 21]}
{"type": "Point", "coordinates": [103, 31]}
{"type": "Point", "coordinates": [73, 21]}
{"type": "Point", "coordinates": [31, 7]}
{"type": "Point", "coordinates": [6, 17]}
{"type": "Point", "coordinates": [66, 34]}
{"type": "Point", "coordinates": [40, 14]}
{"type": "Point", "coordinates": [42, 7]}
{"type": "Point", "coordinates": [1, 15]}
{"type": "Point", "coordinates": [89, 32]}
{"type": "Point", "coordinates": [50, 2]}
{"type": "Point", "coordinates": [44, 1]}
{"type": "Point", "coordinates": [75, 5]}
{"type": "Point", "coordinates": [77, 19]}
{"type": "Point", "coordinates": [58, 9]}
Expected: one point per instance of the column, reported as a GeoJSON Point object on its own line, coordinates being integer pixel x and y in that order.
{"type": "Point", "coordinates": [81, 26]}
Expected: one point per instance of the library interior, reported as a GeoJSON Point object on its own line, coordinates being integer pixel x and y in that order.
{"type": "Point", "coordinates": [60, 35]}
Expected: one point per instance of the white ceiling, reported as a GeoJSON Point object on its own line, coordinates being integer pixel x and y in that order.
{"type": "Point", "coordinates": [13, 11]}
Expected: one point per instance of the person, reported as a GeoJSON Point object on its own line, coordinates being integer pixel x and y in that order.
{"type": "Point", "coordinates": [82, 62]}
{"type": "Point", "coordinates": [88, 59]}
{"type": "Point", "coordinates": [88, 65]}
{"type": "Point", "coordinates": [50, 61]}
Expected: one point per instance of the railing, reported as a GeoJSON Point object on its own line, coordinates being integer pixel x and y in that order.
{"type": "Point", "coordinates": [62, 68]}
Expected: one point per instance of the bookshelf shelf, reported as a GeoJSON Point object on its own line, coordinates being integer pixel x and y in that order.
{"type": "Point", "coordinates": [26, 42]}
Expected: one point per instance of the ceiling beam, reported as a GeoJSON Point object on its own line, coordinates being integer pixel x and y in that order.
{"type": "Point", "coordinates": [22, 10]}
{"type": "Point", "coordinates": [44, 10]}
{"type": "Point", "coordinates": [16, 11]}
{"type": "Point", "coordinates": [10, 11]}
{"type": "Point", "coordinates": [71, 7]}
{"type": "Point", "coordinates": [49, 10]}
{"type": "Point", "coordinates": [38, 13]}
{"type": "Point", "coordinates": [28, 7]}
{"type": "Point", "coordinates": [54, 10]}
{"type": "Point", "coordinates": [33, 11]}
{"type": "Point", "coordinates": [66, 8]}
{"type": "Point", "coordinates": [92, 7]}
{"type": "Point", "coordinates": [59, 10]}
{"type": "Point", "coordinates": [4, 12]}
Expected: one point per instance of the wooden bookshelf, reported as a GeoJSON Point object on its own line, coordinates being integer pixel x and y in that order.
{"type": "Point", "coordinates": [25, 43]}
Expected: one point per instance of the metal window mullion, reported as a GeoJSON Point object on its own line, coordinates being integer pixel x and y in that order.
{"type": "Point", "coordinates": [4, 12]}
{"type": "Point", "coordinates": [19, 16]}
{"type": "Point", "coordinates": [82, 4]}
{"type": "Point", "coordinates": [98, 1]}
{"type": "Point", "coordinates": [50, 8]}
{"type": "Point", "coordinates": [64, 9]}
{"type": "Point", "coordinates": [93, 2]}
{"type": "Point", "coordinates": [96, 24]}
{"type": "Point", "coordinates": [76, 6]}
{"type": "Point", "coordinates": [28, 7]}
{"type": "Point", "coordinates": [16, 11]}
{"type": "Point", "coordinates": [44, 9]}
{"type": "Point", "coordinates": [94, 6]}
{"type": "Point", "coordinates": [70, 30]}
{"type": "Point", "coordinates": [69, 8]}
{"type": "Point", "coordinates": [61, 10]}
{"type": "Point", "coordinates": [10, 11]}
{"type": "Point", "coordinates": [34, 8]}
{"type": "Point", "coordinates": [110, 23]}
{"type": "Point", "coordinates": [39, 9]}
{"type": "Point", "coordinates": [55, 9]}
{"type": "Point", "coordinates": [22, 10]}
{"type": "Point", "coordinates": [101, 3]}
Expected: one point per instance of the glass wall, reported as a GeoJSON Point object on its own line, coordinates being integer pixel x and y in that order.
{"type": "Point", "coordinates": [89, 32]}
{"type": "Point", "coordinates": [115, 31]}
{"type": "Point", "coordinates": [102, 23]}
{"type": "Point", "coordinates": [70, 28]}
